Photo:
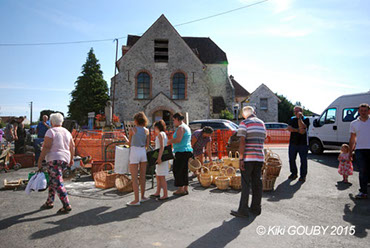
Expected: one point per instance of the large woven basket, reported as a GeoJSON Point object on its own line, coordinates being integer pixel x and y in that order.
{"type": "Point", "coordinates": [105, 179]}
{"type": "Point", "coordinates": [268, 183]}
{"type": "Point", "coordinates": [205, 178]}
{"type": "Point", "coordinates": [194, 164]}
{"type": "Point", "coordinates": [215, 172]}
{"type": "Point", "coordinates": [272, 171]}
{"type": "Point", "coordinates": [123, 183]}
{"type": "Point", "coordinates": [272, 159]}
{"type": "Point", "coordinates": [222, 182]}
{"type": "Point", "coordinates": [236, 182]}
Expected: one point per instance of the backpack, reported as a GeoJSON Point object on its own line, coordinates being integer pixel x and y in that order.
{"type": "Point", "coordinates": [8, 132]}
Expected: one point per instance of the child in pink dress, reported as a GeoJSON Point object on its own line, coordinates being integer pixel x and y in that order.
{"type": "Point", "coordinates": [345, 167]}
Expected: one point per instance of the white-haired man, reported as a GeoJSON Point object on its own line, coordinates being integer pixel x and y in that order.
{"type": "Point", "coordinates": [252, 133]}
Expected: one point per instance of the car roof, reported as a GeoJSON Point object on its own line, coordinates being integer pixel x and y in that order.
{"type": "Point", "coordinates": [276, 123]}
{"type": "Point", "coordinates": [211, 120]}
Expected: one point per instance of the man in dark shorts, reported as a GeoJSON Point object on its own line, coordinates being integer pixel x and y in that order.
{"type": "Point", "coordinates": [298, 143]}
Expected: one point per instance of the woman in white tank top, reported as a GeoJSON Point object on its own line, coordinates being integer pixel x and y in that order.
{"type": "Point", "coordinates": [161, 167]}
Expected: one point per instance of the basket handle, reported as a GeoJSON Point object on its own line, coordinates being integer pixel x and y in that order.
{"type": "Point", "coordinates": [237, 155]}
{"type": "Point", "coordinates": [214, 166]}
{"type": "Point", "coordinates": [204, 170]}
{"type": "Point", "coordinates": [104, 166]}
{"type": "Point", "coordinates": [230, 168]}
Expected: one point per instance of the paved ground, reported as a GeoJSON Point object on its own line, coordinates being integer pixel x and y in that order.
{"type": "Point", "coordinates": [201, 219]}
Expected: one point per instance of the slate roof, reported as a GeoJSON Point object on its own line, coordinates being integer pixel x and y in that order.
{"type": "Point", "coordinates": [207, 51]}
{"type": "Point", "coordinates": [240, 91]}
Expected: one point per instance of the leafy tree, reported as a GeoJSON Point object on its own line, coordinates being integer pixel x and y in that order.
{"type": "Point", "coordinates": [91, 91]}
{"type": "Point", "coordinates": [226, 114]}
{"type": "Point", "coordinates": [286, 107]}
{"type": "Point", "coordinates": [48, 112]}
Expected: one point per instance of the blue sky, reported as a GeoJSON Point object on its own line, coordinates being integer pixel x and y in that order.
{"type": "Point", "coordinates": [310, 51]}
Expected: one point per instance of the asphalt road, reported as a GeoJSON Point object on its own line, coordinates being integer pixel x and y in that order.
{"type": "Point", "coordinates": [318, 213]}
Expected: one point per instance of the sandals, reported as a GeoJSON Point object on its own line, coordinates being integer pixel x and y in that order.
{"type": "Point", "coordinates": [64, 210]}
{"type": "Point", "coordinates": [46, 206]}
{"type": "Point", "coordinates": [154, 196]}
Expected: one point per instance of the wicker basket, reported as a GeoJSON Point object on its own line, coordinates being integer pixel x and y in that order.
{"type": "Point", "coordinates": [236, 182]}
{"type": "Point", "coordinates": [123, 183]}
{"type": "Point", "coordinates": [272, 159]}
{"type": "Point", "coordinates": [229, 171]}
{"type": "Point", "coordinates": [272, 171]}
{"type": "Point", "coordinates": [97, 166]}
{"type": "Point", "coordinates": [105, 179]}
{"type": "Point", "coordinates": [222, 182]}
{"type": "Point", "coordinates": [268, 183]}
{"type": "Point", "coordinates": [215, 172]}
{"type": "Point", "coordinates": [234, 162]}
{"type": "Point", "coordinates": [205, 178]}
{"type": "Point", "coordinates": [194, 164]}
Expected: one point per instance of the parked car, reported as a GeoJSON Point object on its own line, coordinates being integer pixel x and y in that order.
{"type": "Point", "coordinates": [216, 124]}
{"type": "Point", "coordinates": [331, 129]}
{"type": "Point", "coordinates": [277, 132]}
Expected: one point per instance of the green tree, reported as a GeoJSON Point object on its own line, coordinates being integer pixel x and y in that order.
{"type": "Point", "coordinates": [48, 112]}
{"type": "Point", "coordinates": [91, 91]}
{"type": "Point", "coordinates": [286, 107]}
{"type": "Point", "coordinates": [226, 114]}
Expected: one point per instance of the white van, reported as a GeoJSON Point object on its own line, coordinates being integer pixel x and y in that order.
{"type": "Point", "coordinates": [331, 129]}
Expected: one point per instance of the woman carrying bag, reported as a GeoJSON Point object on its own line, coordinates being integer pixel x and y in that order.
{"type": "Point", "coordinates": [58, 151]}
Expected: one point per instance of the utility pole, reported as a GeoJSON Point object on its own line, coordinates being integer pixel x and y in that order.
{"type": "Point", "coordinates": [114, 79]}
{"type": "Point", "coordinates": [31, 114]}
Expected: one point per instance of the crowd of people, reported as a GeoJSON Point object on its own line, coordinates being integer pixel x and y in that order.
{"type": "Point", "coordinates": [58, 151]}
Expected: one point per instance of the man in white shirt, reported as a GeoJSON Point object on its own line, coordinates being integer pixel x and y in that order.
{"type": "Point", "coordinates": [360, 142]}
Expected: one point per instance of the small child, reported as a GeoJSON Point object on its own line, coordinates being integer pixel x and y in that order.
{"type": "Point", "coordinates": [162, 167]}
{"type": "Point", "coordinates": [345, 167]}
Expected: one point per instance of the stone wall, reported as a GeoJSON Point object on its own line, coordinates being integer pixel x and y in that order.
{"type": "Point", "coordinates": [271, 113]}
{"type": "Point", "coordinates": [181, 58]}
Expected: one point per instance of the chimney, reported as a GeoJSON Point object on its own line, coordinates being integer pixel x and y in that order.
{"type": "Point", "coordinates": [125, 50]}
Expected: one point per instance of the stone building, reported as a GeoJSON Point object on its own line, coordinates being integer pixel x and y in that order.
{"type": "Point", "coordinates": [162, 73]}
{"type": "Point", "coordinates": [263, 100]}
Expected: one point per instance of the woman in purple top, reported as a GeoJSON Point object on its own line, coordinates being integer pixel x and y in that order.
{"type": "Point", "coordinates": [202, 139]}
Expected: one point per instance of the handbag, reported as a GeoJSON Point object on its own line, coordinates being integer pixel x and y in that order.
{"type": "Point", "coordinates": [152, 156]}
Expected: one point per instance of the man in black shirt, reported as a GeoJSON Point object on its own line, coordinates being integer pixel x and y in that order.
{"type": "Point", "coordinates": [298, 143]}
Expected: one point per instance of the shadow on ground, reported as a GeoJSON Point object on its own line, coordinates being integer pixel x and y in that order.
{"type": "Point", "coordinates": [283, 191]}
{"type": "Point", "coordinates": [95, 217]}
{"type": "Point", "coordinates": [359, 216]}
{"type": "Point", "coordinates": [92, 217]}
{"type": "Point", "coordinates": [224, 234]}
{"type": "Point", "coordinates": [329, 159]}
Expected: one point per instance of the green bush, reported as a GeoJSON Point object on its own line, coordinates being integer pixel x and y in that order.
{"type": "Point", "coordinates": [226, 114]}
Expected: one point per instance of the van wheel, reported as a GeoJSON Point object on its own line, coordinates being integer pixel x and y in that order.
{"type": "Point", "coordinates": [316, 147]}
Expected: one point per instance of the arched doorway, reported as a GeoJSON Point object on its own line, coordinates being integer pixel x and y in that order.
{"type": "Point", "coordinates": [163, 115]}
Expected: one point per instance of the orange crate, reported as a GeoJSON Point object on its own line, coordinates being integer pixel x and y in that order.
{"type": "Point", "coordinates": [26, 160]}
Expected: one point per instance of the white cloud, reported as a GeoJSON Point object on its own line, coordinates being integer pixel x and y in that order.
{"type": "Point", "coordinates": [282, 5]}
{"type": "Point", "coordinates": [289, 18]}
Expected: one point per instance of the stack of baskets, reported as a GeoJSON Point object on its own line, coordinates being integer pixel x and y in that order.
{"type": "Point", "coordinates": [271, 170]}
{"type": "Point", "coordinates": [220, 175]}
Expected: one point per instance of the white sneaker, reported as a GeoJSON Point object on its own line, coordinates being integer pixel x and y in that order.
{"type": "Point", "coordinates": [133, 204]}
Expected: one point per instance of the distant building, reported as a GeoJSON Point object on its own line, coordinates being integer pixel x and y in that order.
{"type": "Point", "coordinates": [263, 100]}
{"type": "Point", "coordinates": [161, 73]}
